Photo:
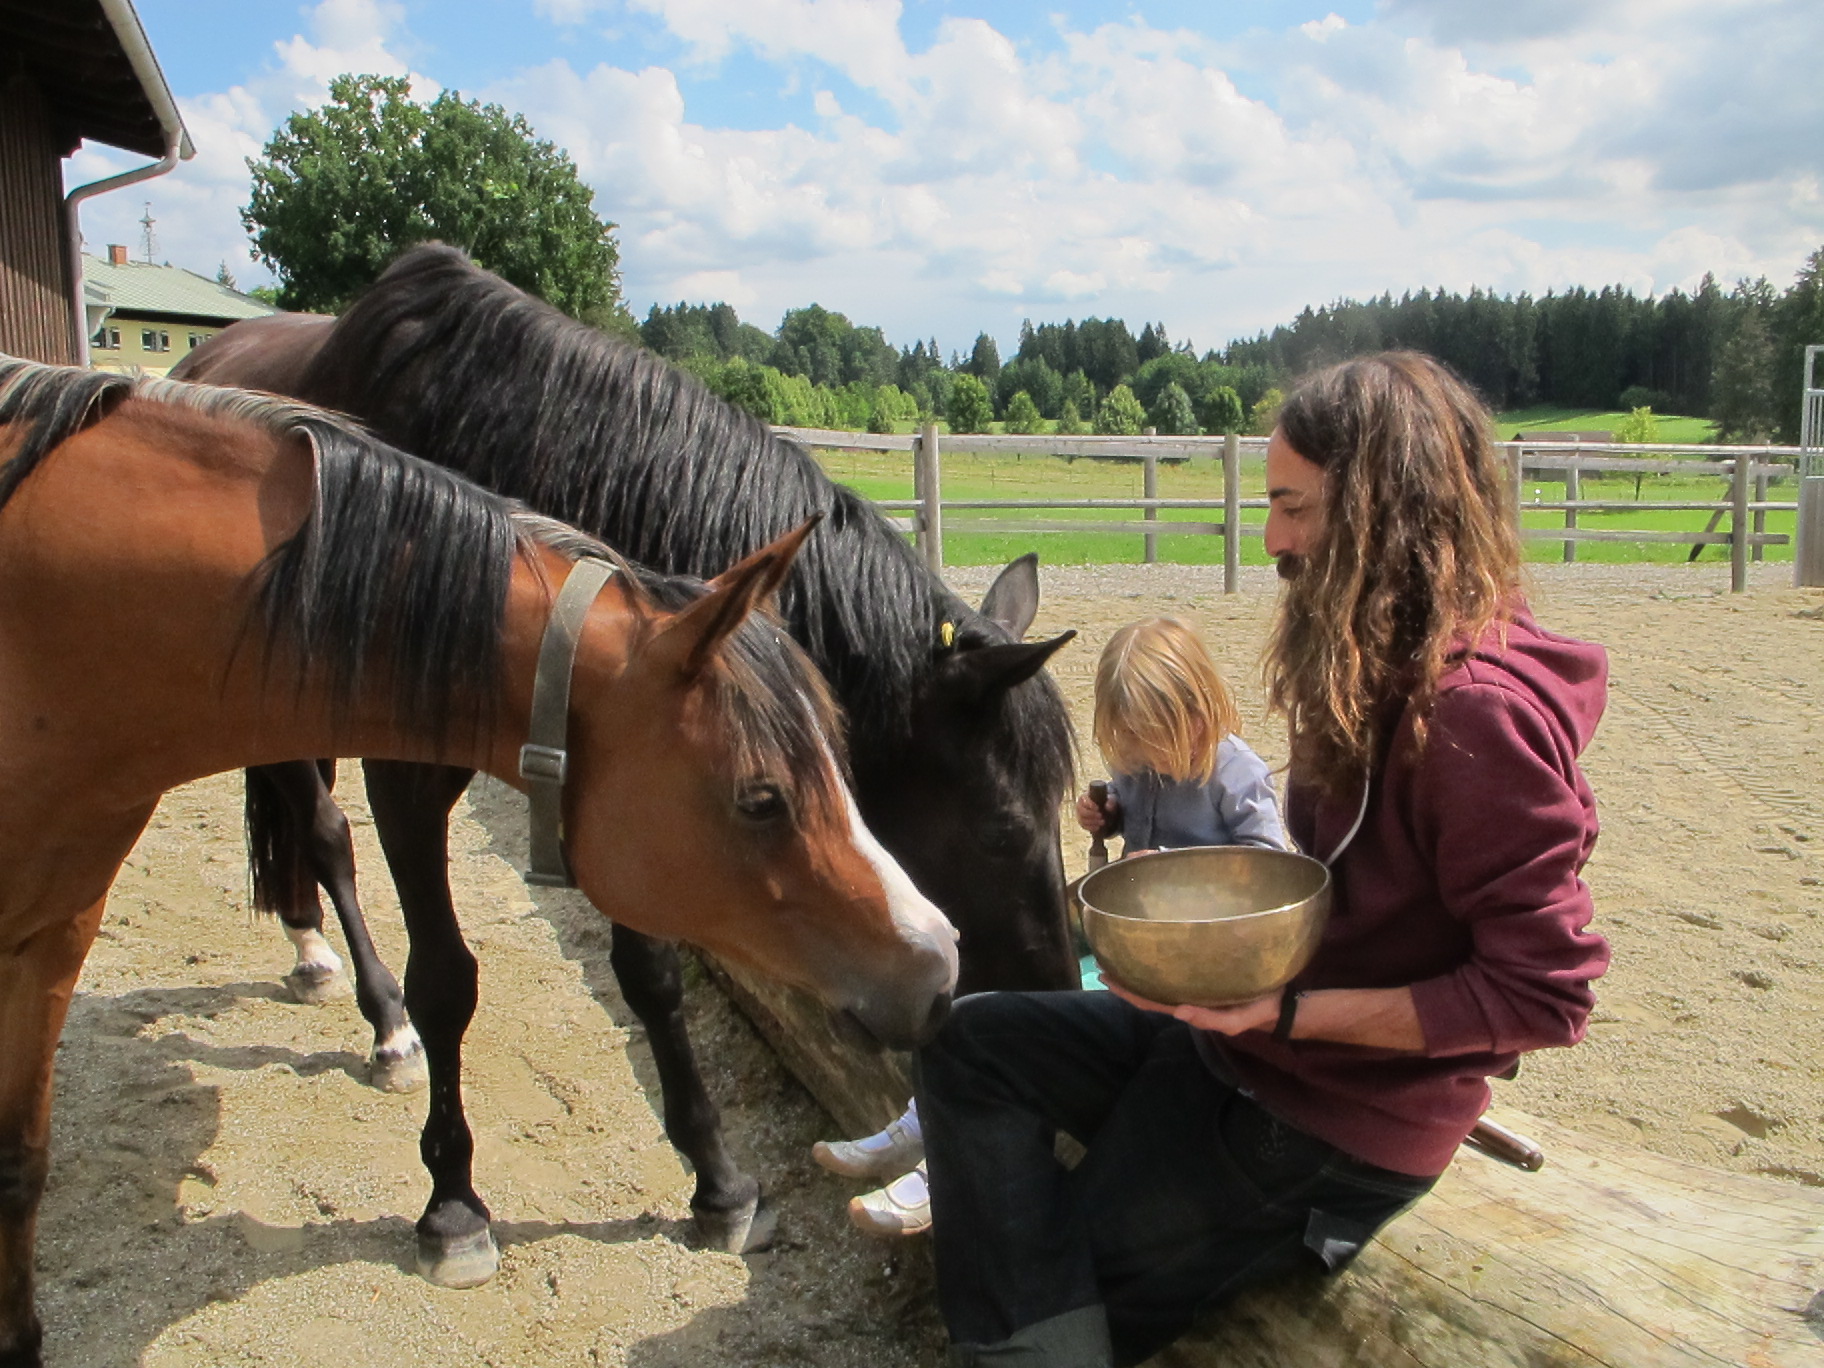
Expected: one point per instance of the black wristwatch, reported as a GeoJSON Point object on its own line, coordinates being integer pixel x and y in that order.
{"type": "Point", "coordinates": [1288, 1013]}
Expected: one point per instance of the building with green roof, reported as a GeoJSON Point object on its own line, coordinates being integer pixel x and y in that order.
{"type": "Point", "coordinates": [142, 316]}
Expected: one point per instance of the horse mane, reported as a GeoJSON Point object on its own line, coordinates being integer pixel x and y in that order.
{"type": "Point", "coordinates": [444, 357]}
{"type": "Point", "coordinates": [404, 565]}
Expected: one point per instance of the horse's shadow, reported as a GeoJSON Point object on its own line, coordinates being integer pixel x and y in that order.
{"type": "Point", "coordinates": [130, 1244]}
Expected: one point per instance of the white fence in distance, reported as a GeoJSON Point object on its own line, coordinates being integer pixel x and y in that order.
{"type": "Point", "coordinates": [1747, 469]}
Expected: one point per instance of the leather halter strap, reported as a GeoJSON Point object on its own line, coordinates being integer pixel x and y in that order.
{"type": "Point", "coordinates": [544, 761]}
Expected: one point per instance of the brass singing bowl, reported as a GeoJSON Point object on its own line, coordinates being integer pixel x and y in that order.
{"type": "Point", "coordinates": [1211, 926]}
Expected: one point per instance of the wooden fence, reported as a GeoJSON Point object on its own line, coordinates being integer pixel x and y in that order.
{"type": "Point", "coordinates": [1748, 470]}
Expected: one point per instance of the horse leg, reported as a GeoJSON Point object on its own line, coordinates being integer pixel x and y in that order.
{"type": "Point", "coordinates": [324, 854]}
{"type": "Point", "coordinates": [411, 805]}
{"type": "Point", "coordinates": [727, 1205]}
{"type": "Point", "coordinates": [36, 981]}
{"type": "Point", "coordinates": [280, 802]}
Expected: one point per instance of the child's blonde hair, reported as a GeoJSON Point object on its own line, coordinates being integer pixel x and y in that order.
{"type": "Point", "coordinates": [1160, 702]}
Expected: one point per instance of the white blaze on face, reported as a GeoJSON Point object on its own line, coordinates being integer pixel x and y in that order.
{"type": "Point", "coordinates": [916, 916]}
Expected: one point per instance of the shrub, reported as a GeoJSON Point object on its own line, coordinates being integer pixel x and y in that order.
{"type": "Point", "coordinates": [1070, 423]}
{"type": "Point", "coordinates": [971, 410]}
{"type": "Point", "coordinates": [1221, 411]}
{"type": "Point", "coordinates": [1022, 413]}
{"type": "Point", "coordinates": [1266, 412]}
{"type": "Point", "coordinates": [1639, 426]}
{"type": "Point", "coordinates": [1171, 413]}
{"type": "Point", "coordinates": [1639, 397]}
{"type": "Point", "coordinates": [1120, 414]}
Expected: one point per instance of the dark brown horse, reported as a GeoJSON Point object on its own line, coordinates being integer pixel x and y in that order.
{"type": "Point", "coordinates": [961, 744]}
{"type": "Point", "coordinates": [194, 580]}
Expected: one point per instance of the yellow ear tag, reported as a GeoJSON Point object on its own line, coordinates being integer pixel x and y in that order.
{"type": "Point", "coordinates": [947, 634]}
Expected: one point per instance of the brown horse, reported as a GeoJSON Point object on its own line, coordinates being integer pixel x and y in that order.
{"type": "Point", "coordinates": [196, 580]}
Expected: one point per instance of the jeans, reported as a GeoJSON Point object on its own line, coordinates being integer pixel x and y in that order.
{"type": "Point", "coordinates": [1187, 1190]}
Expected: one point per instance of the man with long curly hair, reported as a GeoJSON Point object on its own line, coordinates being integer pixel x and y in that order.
{"type": "Point", "coordinates": [1435, 729]}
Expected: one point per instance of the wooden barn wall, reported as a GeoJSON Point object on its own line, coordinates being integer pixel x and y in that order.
{"type": "Point", "coordinates": [35, 309]}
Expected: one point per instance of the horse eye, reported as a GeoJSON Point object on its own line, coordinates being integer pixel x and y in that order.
{"type": "Point", "coordinates": [761, 803]}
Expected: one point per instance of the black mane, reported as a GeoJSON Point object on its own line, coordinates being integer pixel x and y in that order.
{"type": "Point", "coordinates": [403, 566]}
{"type": "Point", "coordinates": [443, 357]}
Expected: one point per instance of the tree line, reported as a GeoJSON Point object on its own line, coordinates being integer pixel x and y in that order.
{"type": "Point", "coordinates": [338, 191]}
{"type": "Point", "coordinates": [1735, 357]}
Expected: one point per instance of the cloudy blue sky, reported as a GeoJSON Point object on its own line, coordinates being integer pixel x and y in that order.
{"type": "Point", "coordinates": [943, 167]}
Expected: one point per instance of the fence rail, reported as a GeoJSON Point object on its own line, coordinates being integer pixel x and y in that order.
{"type": "Point", "coordinates": [1748, 469]}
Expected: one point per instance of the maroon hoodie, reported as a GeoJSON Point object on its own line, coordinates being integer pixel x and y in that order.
{"type": "Point", "coordinates": [1462, 882]}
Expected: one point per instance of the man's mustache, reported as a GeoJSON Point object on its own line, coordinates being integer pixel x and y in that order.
{"type": "Point", "coordinates": [1290, 566]}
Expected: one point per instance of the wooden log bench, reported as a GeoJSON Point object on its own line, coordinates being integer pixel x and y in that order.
{"type": "Point", "coordinates": [1608, 1257]}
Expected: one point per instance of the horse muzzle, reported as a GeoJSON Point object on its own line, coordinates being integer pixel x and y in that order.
{"type": "Point", "coordinates": [872, 1029]}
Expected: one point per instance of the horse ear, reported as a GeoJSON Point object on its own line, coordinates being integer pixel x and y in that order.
{"type": "Point", "coordinates": [978, 670]}
{"type": "Point", "coordinates": [698, 631]}
{"type": "Point", "coordinates": [1013, 599]}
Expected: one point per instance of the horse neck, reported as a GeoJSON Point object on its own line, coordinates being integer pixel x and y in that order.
{"type": "Point", "coordinates": [131, 658]}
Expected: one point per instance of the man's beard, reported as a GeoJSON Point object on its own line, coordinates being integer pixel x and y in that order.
{"type": "Point", "coordinates": [1290, 566]}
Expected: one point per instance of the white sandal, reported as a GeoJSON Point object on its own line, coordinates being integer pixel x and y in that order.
{"type": "Point", "coordinates": [902, 1207]}
{"type": "Point", "coordinates": [886, 1154]}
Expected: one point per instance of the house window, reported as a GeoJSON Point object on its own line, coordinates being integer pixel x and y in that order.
{"type": "Point", "coordinates": [154, 340]}
{"type": "Point", "coordinates": [106, 339]}
{"type": "Point", "coordinates": [197, 340]}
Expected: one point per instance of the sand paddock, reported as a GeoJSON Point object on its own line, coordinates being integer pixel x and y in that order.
{"type": "Point", "coordinates": [226, 1189]}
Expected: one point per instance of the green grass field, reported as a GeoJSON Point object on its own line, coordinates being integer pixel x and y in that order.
{"type": "Point", "coordinates": [888, 475]}
{"type": "Point", "coordinates": [1548, 418]}
{"type": "Point", "coordinates": [1696, 431]}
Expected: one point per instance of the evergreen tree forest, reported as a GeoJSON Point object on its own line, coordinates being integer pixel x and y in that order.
{"type": "Point", "coordinates": [1733, 356]}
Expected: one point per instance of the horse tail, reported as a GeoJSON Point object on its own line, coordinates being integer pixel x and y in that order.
{"type": "Point", "coordinates": [278, 864]}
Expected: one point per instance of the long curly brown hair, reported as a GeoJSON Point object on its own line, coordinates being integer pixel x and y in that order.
{"type": "Point", "coordinates": [1417, 555]}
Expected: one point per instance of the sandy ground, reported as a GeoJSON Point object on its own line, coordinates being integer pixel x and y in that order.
{"type": "Point", "coordinates": [227, 1190]}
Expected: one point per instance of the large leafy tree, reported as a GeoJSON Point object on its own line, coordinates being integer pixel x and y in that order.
{"type": "Point", "coordinates": [340, 191]}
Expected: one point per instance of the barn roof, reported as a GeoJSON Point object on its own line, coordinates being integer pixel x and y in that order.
{"type": "Point", "coordinates": [138, 287]}
{"type": "Point", "coordinates": [83, 61]}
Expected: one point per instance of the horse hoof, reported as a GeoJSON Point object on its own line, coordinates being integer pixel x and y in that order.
{"type": "Point", "coordinates": [399, 1073]}
{"type": "Point", "coordinates": [313, 986]}
{"type": "Point", "coordinates": [747, 1229]}
{"type": "Point", "coordinates": [467, 1261]}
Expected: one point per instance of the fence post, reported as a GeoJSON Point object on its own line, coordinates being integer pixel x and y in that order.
{"type": "Point", "coordinates": [1808, 536]}
{"type": "Point", "coordinates": [927, 488]}
{"type": "Point", "coordinates": [1738, 526]}
{"type": "Point", "coordinates": [1760, 514]}
{"type": "Point", "coordinates": [1519, 483]}
{"type": "Point", "coordinates": [1231, 512]}
{"type": "Point", "coordinates": [1573, 491]}
{"type": "Point", "coordinates": [1149, 489]}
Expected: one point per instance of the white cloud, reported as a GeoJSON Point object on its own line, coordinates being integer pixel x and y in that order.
{"type": "Point", "coordinates": [1127, 170]}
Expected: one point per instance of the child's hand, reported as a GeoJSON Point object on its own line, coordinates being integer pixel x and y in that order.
{"type": "Point", "coordinates": [1097, 819]}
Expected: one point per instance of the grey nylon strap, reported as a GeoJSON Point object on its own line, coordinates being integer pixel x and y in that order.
{"type": "Point", "coordinates": [544, 760]}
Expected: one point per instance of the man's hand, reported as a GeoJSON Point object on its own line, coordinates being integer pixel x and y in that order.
{"type": "Point", "coordinates": [1384, 1018]}
{"type": "Point", "coordinates": [1259, 1015]}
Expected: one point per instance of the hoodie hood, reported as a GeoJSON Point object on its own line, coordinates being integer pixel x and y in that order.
{"type": "Point", "coordinates": [1567, 677]}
